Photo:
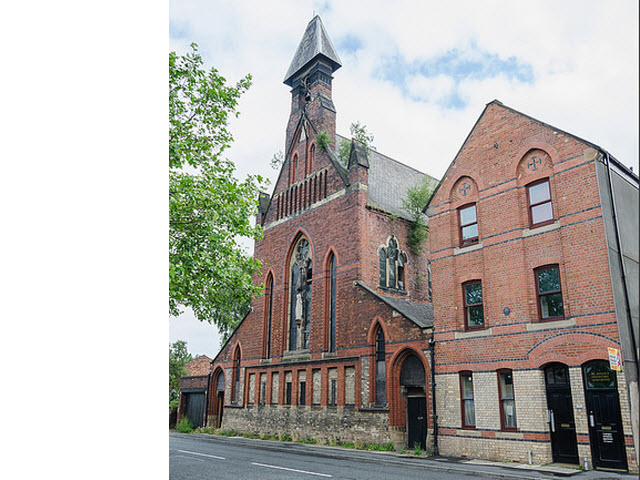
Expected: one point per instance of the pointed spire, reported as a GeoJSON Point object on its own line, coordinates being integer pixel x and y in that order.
{"type": "Point", "coordinates": [315, 43]}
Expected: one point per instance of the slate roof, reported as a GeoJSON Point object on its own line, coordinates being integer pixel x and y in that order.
{"type": "Point", "coordinates": [389, 181]}
{"type": "Point", "coordinates": [315, 41]}
{"type": "Point", "coordinates": [419, 313]}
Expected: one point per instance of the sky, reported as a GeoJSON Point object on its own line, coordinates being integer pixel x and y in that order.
{"type": "Point", "coordinates": [419, 74]}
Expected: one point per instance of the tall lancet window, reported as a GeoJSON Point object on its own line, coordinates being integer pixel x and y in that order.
{"type": "Point", "coordinates": [381, 375]}
{"type": "Point", "coordinates": [332, 304]}
{"type": "Point", "coordinates": [312, 154]}
{"type": "Point", "coordinates": [236, 376]}
{"type": "Point", "coordinates": [268, 304]}
{"type": "Point", "coordinates": [300, 296]}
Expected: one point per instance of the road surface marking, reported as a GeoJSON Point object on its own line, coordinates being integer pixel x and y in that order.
{"type": "Point", "coordinates": [190, 458]}
{"type": "Point", "coordinates": [203, 454]}
{"type": "Point", "coordinates": [291, 469]}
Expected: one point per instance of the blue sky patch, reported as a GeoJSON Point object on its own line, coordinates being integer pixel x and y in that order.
{"type": "Point", "coordinates": [349, 44]}
{"type": "Point", "coordinates": [459, 65]}
{"type": "Point", "coordinates": [176, 30]}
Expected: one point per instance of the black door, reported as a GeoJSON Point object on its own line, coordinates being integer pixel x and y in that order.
{"type": "Point", "coordinates": [564, 444]}
{"type": "Point", "coordinates": [605, 422]}
{"type": "Point", "coordinates": [195, 408]}
{"type": "Point", "coordinates": [416, 421]}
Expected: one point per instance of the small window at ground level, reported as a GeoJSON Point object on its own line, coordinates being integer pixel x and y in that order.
{"type": "Point", "coordinates": [287, 394]}
{"type": "Point", "coordinates": [507, 400]}
{"type": "Point", "coordinates": [333, 391]}
{"type": "Point", "coordinates": [467, 401]}
{"type": "Point", "coordinates": [303, 393]}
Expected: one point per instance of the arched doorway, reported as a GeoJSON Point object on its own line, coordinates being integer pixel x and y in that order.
{"type": "Point", "coordinates": [564, 443]}
{"type": "Point", "coordinates": [603, 410]}
{"type": "Point", "coordinates": [413, 387]}
{"type": "Point", "coordinates": [218, 395]}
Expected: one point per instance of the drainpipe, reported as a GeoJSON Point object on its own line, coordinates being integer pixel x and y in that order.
{"type": "Point", "coordinates": [432, 347]}
{"type": "Point", "coordinates": [631, 373]}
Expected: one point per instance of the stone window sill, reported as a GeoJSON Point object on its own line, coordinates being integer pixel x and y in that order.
{"type": "Point", "coordinates": [528, 231]}
{"type": "Point", "coordinates": [296, 355]}
{"type": "Point", "coordinates": [467, 249]}
{"type": "Point", "coordinates": [474, 333]}
{"type": "Point", "coordinates": [534, 327]}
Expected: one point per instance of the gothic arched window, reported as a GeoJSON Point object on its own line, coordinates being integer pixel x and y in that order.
{"type": "Point", "coordinates": [392, 266]}
{"type": "Point", "coordinates": [312, 153]}
{"type": "Point", "coordinates": [268, 317]}
{"type": "Point", "coordinates": [381, 376]}
{"type": "Point", "coordinates": [300, 296]}
{"type": "Point", "coordinates": [332, 303]}
{"type": "Point", "coordinates": [236, 376]}
{"type": "Point", "coordinates": [292, 169]}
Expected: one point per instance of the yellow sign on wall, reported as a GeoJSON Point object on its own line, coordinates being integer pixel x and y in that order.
{"type": "Point", "coordinates": [615, 362]}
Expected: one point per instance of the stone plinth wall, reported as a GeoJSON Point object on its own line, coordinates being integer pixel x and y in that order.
{"type": "Point", "coordinates": [323, 424]}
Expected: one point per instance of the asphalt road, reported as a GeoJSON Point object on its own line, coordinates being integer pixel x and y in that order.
{"type": "Point", "coordinates": [193, 458]}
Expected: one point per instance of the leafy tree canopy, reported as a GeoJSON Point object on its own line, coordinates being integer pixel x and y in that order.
{"type": "Point", "coordinates": [209, 209]}
{"type": "Point", "coordinates": [178, 356]}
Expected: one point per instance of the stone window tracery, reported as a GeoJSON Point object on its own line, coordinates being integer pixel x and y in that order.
{"type": "Point", "coordinates": [392, 261]}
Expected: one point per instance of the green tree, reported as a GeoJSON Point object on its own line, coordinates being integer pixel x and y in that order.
{"type": "Point", "coordinates": [178, 356]}
{"type": "Point", "coordinates": [209, 209]}
{"type": "Point", "coordinates": [414, 202]}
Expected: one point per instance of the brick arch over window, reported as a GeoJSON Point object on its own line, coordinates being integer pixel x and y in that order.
{"type": "Point", "coordinates": [397, 403]}
{"type": "Point", "coordinates": [465, 190]}
{"type": "Point", "coordinates": [570, 348]}
{"type": "Point", "coordinates": [526, 168]}
{"type": "Point", "coordinates": [534, 164]}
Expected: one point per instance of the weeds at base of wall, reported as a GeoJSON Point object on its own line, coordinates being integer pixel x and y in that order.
{"type": "Point", "coordinates": [284, 437]}
{"type": "Point", "coordinates": [184, 426]}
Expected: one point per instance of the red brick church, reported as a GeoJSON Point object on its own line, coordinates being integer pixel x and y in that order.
{"type": "Point", "coordinates": [524, 286]}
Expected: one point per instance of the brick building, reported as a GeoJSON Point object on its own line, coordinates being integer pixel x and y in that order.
{"type": "Point", "coordinates": [522, 266]}
{"type": "Point", "coordinates": [337, 347]}
{"type": "Point", "coordinates": [528, 291]}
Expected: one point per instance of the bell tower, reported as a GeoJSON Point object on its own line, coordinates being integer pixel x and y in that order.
{"type": "Point", "coordinates": [312, 109]}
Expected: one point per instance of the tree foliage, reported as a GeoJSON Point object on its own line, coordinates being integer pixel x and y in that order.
{"type": "Point", "coordinates": [178, 356]}
{"type": "Point", "coordinates": [209, 209]}
{"type": "Point", "coordinates": [414, 202]}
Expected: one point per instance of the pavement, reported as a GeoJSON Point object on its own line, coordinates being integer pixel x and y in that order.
{"type": "Point", "coordinates": [481, 468]}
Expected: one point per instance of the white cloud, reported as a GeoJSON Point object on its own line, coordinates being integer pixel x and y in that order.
{"type": "Point", "coordinates": [435, 89]}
